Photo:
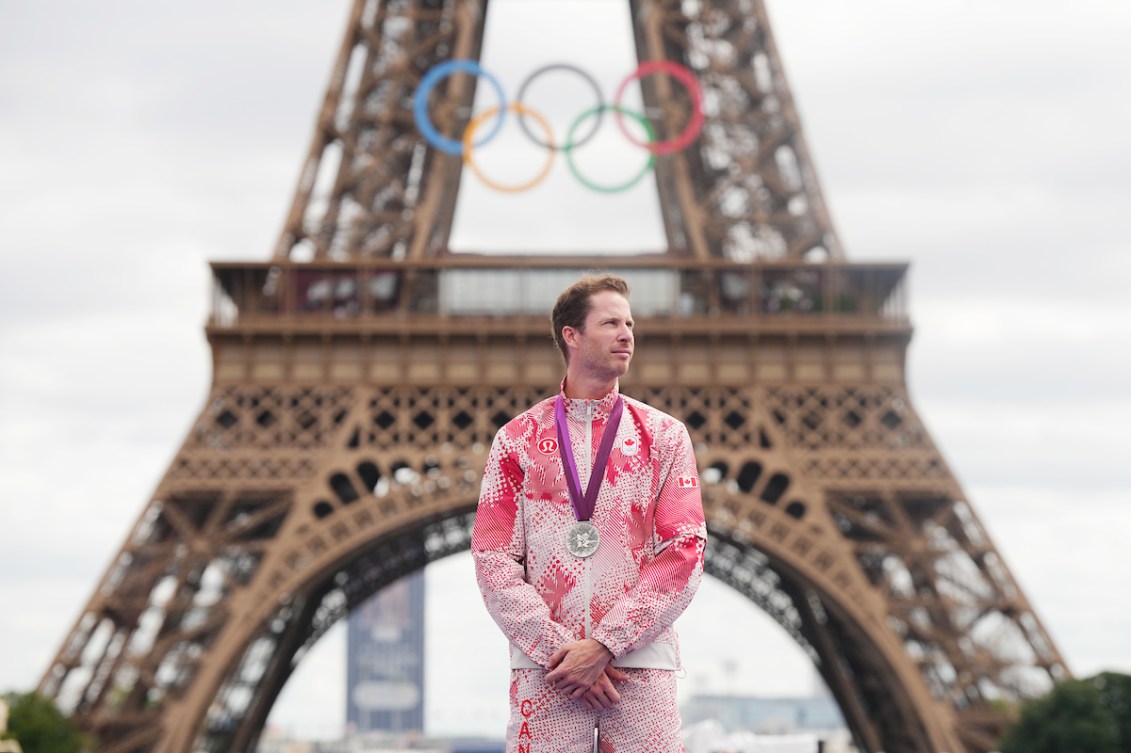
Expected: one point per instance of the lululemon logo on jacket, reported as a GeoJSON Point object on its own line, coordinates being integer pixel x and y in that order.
{"type": "Point", "coordinates": [548, 446]}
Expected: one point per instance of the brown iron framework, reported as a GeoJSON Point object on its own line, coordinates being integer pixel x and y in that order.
{"type": "Point", "coordinates": [354, 398]}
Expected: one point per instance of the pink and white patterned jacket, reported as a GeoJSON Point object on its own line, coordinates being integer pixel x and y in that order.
{"type": "Point", "coordinates": [650, 516]}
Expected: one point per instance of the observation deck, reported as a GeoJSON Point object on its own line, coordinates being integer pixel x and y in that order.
{"type": "Point", "coordinates": [470, 318]}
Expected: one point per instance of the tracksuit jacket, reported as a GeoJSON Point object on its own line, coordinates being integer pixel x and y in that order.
{"type": "Point", "coordinates": [649, 514]}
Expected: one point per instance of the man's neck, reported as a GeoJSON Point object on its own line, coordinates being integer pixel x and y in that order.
{"type": "Point", "coordinates": [578, 387]}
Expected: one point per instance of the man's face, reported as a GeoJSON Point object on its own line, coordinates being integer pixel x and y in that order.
{"type": "Point", "coordinates": [604, 346]}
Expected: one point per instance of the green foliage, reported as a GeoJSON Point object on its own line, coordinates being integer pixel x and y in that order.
{"type": "Point", "coordinates": [38, 725]}
{"type": "Point", "coordinates": [1079, 716]}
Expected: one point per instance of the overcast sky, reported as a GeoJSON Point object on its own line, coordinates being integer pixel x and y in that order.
{"type": "Point", "coordinates": [986, 143]}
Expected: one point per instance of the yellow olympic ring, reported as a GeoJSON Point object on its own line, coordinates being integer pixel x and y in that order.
{"type": "Point", "coordinates": [469, 145]}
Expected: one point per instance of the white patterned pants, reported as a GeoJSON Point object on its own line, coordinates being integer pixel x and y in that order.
{"type": "Point", "coordinates": [544, 720]}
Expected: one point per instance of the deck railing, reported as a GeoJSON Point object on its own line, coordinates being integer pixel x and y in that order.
{"type": "Point", "coordinates": [482, 286]}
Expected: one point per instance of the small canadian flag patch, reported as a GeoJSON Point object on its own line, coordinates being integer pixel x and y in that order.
{"type": "Point", "coordinates": [687, 482]}
{"type": "Point", "coordinates": [548, 446]}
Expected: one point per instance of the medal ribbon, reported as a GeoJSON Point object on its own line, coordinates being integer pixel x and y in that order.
{"type": "Point", "coordinates": [583, 505]}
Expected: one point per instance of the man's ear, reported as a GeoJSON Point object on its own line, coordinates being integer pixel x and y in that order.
{"type": "Point", "coordinates": [569, 335]}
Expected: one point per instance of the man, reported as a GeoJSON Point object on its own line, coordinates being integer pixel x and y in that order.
{"type": "Point", "coordinates": [588, 543]}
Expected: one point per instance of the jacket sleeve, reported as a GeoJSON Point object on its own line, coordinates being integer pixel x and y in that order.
{"type": "Point", "coordinates": [669, 580]}
{"type": "Point", "coordinates": [498, 546]}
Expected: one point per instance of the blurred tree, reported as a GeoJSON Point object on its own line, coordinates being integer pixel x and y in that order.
{"type": "Point", "coordinates": [39, 726]}
{"type": "Point", "coordinates": [1079, 716]}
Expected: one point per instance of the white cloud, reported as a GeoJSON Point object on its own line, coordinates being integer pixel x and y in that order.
{"type": "Point", "coordinates": [1066, 548]}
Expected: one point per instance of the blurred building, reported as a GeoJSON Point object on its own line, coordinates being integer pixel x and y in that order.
{"type": "Point", "coordinates": [380, 742]}
{"type": "Point", "coordinates": [764, 715]}
{"type": "Point", "coordinates": [710, 737]}
{"type": "Point", "coordinates": [385, 660]}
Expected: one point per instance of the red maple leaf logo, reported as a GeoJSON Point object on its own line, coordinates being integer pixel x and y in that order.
{"type": "Point", "coordinates": [555, 586]}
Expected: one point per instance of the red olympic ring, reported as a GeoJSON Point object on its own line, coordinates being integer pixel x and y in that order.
{"type": "Point", "coordinates": [465, 145]}
{"type": "Point", "coordinates": [685, 77]}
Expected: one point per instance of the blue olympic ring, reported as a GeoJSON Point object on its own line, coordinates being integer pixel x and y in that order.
{"type": "Point", "coordinates": [464, 147]}
{"type": "Point", "coordinates": [420, 103]}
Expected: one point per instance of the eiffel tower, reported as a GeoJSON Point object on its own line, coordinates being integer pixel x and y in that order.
{"type": "Point", "coordinates": [353, 402]}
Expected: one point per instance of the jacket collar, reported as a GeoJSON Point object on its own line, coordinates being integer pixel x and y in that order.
{"type": "Point", "coordinates": [579, 408]}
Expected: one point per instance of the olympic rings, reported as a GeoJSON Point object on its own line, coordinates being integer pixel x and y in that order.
{"type": "Point", "coordinates": [467, 143]}
{"type": "Point", "coordinates": [420, 103]}
{"type": "Point", "coordinates": [563, 67]}
{"type": "Point", "coordinates": [687, 78]}
{"type": "Point", "coordinates": [597, 186]}
{"type": "Point", "coordinates": [522, 111]}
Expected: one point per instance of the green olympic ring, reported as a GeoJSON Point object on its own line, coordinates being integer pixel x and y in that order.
{"type": "Point", "coordinates": [463, 147]}
{"type": "Point", "coordinates": [599, 110]}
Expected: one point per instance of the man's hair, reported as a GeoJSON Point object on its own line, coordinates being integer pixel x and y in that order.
{"type": "Point", "coordinates": [574, 303]}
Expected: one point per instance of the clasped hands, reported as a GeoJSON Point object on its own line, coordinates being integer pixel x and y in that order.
{"type": "Point", "coordinates": [582, 670]}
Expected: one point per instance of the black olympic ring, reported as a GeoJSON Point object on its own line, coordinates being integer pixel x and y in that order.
{"type": "Point", "coordinates": [592, 83]}
{"type": "Point", "coordinates": [464, 146]}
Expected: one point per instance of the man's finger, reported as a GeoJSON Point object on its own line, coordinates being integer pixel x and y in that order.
{"type": "Point", "coordinates": [596, 700]}
{"type": "Point", "coordinates": [604, 688]}
{"type": "Point", "coordinates": [556, 658]}
{"type": "Point", "coordinates": [605, 701]}
{"type": "Point", "coordinates": [562, 677]}
{"type": "Point", "coordinates": [557, 669]}
{"type": "Point", "coordinates": [612, 693]}
{"type": "Point", "coordinates": [615, 674]}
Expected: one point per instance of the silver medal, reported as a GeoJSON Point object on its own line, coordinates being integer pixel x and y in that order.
{"type": "Point", "coordinates": [582, 539]}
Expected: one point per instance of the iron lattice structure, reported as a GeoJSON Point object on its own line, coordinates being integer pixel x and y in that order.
{"type": "Point", "coordinates": [354, 399]}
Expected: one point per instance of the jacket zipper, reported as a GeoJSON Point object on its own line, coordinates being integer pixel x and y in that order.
{"type": "Point", "coordinates": [588, 440]}
{"type": "Point", "coordinates": [589, 480]}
